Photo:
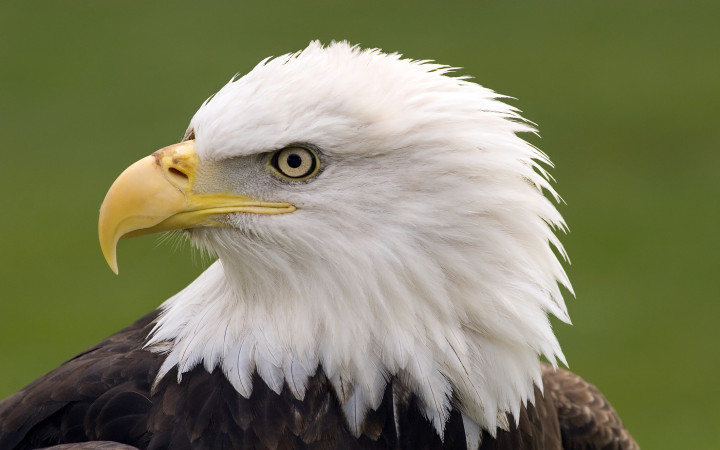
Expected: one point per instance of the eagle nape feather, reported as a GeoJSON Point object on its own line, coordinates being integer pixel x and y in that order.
{"type": "Point", "coordinates": [387, 262]}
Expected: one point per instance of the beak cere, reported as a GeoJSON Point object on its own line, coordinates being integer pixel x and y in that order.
{"type": "Point", "coordinates": [156, 194]}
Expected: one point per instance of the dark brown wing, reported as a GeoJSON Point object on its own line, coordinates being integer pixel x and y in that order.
{"type": "Point", "coordinates": [96, 445]}
{"type": "Point", "coordinates": [104, 394]}
{"type": "Point", "coordinates": [205, 412]}
{"type": "Point", "coordinates": [101, 394]}
{"type": "Point", "coordinates": [537, 429]}
{"type": "Point", "coordinates": [587, 420]}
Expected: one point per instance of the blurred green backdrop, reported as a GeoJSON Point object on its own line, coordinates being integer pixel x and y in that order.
{"type": "Point", "coordinates": [626, 95]}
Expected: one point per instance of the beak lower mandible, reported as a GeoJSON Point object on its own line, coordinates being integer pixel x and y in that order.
{"type": "Point", "coordinates": [156, 194]}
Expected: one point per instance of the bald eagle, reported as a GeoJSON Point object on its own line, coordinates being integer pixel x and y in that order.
{"type": "Point", "coordinates": [384, 278]}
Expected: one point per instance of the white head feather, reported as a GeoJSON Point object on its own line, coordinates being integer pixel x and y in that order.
{"type": "Point", "coordinates": [423, 250]}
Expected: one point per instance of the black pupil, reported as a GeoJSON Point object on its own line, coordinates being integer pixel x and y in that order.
{"type": "Point", "coordinates": [294, 160]}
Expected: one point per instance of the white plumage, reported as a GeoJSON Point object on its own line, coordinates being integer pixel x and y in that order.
{"type": "Point", "coordinates": [423, 248]}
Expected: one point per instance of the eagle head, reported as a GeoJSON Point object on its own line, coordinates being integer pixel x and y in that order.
{"type": "Point", "coordinates": [373, 218]}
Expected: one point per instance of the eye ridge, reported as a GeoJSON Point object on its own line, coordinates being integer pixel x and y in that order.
{"type": "Point", "coordinates": [295, 162]}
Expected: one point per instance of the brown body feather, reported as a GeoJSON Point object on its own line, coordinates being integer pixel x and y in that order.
{"type": "Point", "coordinates": [104, 394]}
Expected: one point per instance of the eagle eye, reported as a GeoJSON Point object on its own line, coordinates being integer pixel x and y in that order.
{"type": "Point", "coordinates": [295, 163]}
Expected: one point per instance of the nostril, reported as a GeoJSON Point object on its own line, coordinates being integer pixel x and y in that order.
{"type": "Point", "coordinates": [178, 174]}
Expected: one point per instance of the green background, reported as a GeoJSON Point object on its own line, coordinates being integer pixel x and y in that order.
{"type": "Point", "coordinates": [626, 95]}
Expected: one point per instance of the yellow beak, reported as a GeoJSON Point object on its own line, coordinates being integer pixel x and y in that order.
{"type": "Point", "coordinates": [156, 194]}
